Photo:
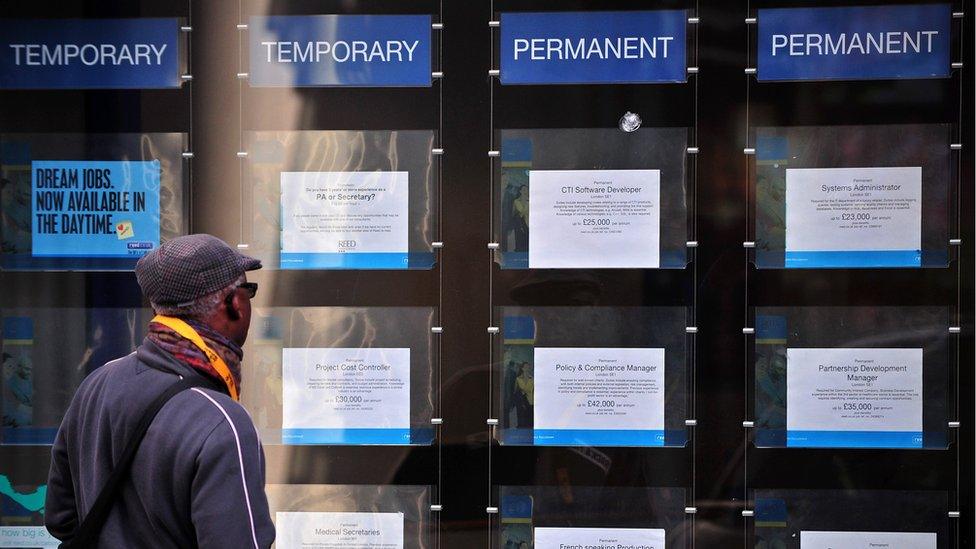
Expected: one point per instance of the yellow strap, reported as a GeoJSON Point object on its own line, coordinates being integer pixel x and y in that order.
{"type": "Point", "coordinates": [218, 363]}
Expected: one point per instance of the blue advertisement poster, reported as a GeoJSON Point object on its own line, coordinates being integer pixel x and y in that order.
{"type": "Point", "coordinates": [340, 50]}
{"type": "Point", "coordinates": [854, 43]}
{"type": "Point", "coordinates": [103, 209]}
{"type": "Point", "coordinates": [623, 47]}
{"type": "Point", "coordinates": [89, 53]}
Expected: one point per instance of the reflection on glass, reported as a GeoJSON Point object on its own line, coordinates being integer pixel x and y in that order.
{"type": "Point", "coordinates": [592, 376]}
{"type": "Point", "coordinates": [341, 375]}
{"type": "Point", "coordinates": [802, 519]}
{"type": "Point", "coordinates": [47, 352]}
{"type": "Point", "coordinates": [318, 515]}
{"type": "Point", "coordinates": [598, 198]}
{"type": "Point", "coordinates": [852, 196]}
{"type": "Point", "coordinates": [89, 201]}
{"type": "Point", "coordinates": [852, 377]}
{"type": "Point", "coordinates": [547, 516]}
{"type": "Point", "coordinates": [342, 199]}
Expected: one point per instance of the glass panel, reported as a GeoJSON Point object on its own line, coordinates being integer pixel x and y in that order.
{"type": "Point", "coordinates": [89, 201]}
{"type": "Point", "coordinates": [606, 198]}
{"type": "Point", "coordinates": [47, 352]}
{"type": "Point", "coordinates": [852, 196]}
{"type": "Point", "coordinates": [859, 518]}
{"type": "Point", "coordinates": [350, 199]}
{"type": "Point", "coordinates": [592, 516]}
{"type": "Point", "coordinates": [592, 376]}
{"type": "Point", "coordinates": [341, 375]}
{"type": "Point", "coordinates": [336, 516]}
{"type": "Point", "coordinates": [852, 377]}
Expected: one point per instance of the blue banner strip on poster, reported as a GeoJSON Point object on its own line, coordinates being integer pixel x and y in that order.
{"type": "Point", "coordinates": [340, 50]}
{"type": "Point", "coordinates": [860, 258]}
{"type": "Point", "coordinates": [32, 436]}
{"type": "Point", "coordinates": [352, 260]}
{"type": "Point", "coordinates": [352, 436]}
{"type": "Point", "coordinates": [591, 437]}
{"type": "Point", "coordinates": [854, 439]}
{"type": "Point", "coordinates": [89, 53]}
{"type": "Point", "coordinates": [619, 47]}
{"type": "Point", "coordinates": [854, 43]}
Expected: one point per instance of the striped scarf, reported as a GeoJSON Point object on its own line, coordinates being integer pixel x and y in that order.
{"type": "Point", "coordinates": [186, 352]}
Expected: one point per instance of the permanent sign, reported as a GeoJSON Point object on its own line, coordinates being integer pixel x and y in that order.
{"type": "Point", "coordinates": [622, 47]}
{"type": "Point", "coordinates": [854, 43]}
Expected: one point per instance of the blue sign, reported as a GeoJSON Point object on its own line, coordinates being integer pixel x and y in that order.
{"type": "Point", "coordinates": [89, 53]}
{"type": "Point", "coordinates": [104, 209]}
{"type": "Point", "coordinates": [340, 50]}
{"type": "Point", "coordinates": [619, 47]}
{"type": "Point", "coordinates": [858, 43]}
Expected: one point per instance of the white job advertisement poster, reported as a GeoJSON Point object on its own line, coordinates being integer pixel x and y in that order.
{"type": "Point", "coordinates": [307, 530]}
{"type": "Point", "coordinates": [328, 392]}
{"type": "Point", "coordinates": [842, 397]}
{"type": "Point", "coordinates": [590, 219]}
{"type": "Point", "coordinates": [362, 214]}
{"type": "Point", "coordinates": [616, 538]}
{"type": "Point", "coordinates": [873, 210]}
{"type": "Point", "coordinates": [599, 396]}
{"type": "Point", "coordinates": [867, 540]}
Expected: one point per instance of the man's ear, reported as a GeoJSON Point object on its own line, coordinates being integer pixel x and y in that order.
{"type": "Point", "coordinates": [232, 306]}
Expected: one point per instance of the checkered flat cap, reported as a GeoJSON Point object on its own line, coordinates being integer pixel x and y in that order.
{"type": "Point", "coordinates": [189, 267]}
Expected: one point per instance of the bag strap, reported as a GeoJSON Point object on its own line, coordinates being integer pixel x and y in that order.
{"type": "Point", "coordinates": [86, 535]}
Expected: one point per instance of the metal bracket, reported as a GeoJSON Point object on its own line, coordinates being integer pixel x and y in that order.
{"type": "Point", "coordinates": [692, 150]}
{"type": "Point", "coordinates": [435, 508]}
{"type": "Point", "coordinates": [748, 151]}
{"type": "Point", "coordinates": [243, 246]}
{"type": "Point", "coordinates": [691, 510]}
{"type": "Point", "coordinates": [493, 330]}
{"type": "Point", "coordinates": [186, 28]}
{"type": "Point", "coordinates": [748, 424]}
{"type": "Point", "coordinates": [750, 70]}
{"type": "Point", "coordinates": [955, 242]}
{"type": "Point", "coordinates": [691, 423]}
{"type": "Point", "coordinates": [955, 147]}
{"type": "Point", "coordinates": [955, 329]}
{"type": "Point", "coordinates": [694, 20]}
{"type": "Point", "coordinates": [953, 424]}
{"type": "Point", "coordinates": [748, 512]}
{"type": "Point", "coordinates": [241, 154]}
{"type": "Point", "coordinates": [436, 330]}
{"type": "Point", "coordinates": [494, 72]}
{"type": "Point", "coordinates": [691, 329]}
{"type": "Point", "coordinates": [750, 20]}
{"type": "Point", "coordinates": [953, 514]}
{"type": "Point", "coordinates": [749, 244]}
{"type": "Point", "coordinates": [436, 244]}
{"type": "Point", "coordinates": [494, 24]}
{"type": "Point", "coordinates": [692, 70]}
{"type": "Point", "coordinates": [242, 26]}
{"type": "Point", "coordinates": [492, 421]}
{"type": "Point", "coordinates": [957, 65]}
{"type": "Point", "coordinates": [243, 76]}
{"type": "Point", "coordinates": [436, 421]}
{"type": "Point", "coordinates": [493, 246]}
{"type": "Point", "coordinates": [491, 510]}
{"type": "Point", "coordinates": [186, 77]}
{"type": "Point", "coordinates": [691, 244]}
{"type": "Point", "coordinates": [187, 154]}
{"type": "Point", "coordinates": [437, 26]}
{"type": "Point", "coordinates": [437, 74]}
{"type": "Point", "coordinates": [748, 331]}
{"type": "Point", "coordinates": [437, 152]}
{"type": "Point", "coordinates": [494, 153]}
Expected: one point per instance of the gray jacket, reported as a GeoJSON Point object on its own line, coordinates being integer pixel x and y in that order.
{"type": "Point", "coordinates": [197, 480]}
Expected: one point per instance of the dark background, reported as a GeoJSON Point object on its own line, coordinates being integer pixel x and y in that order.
{"type": "Point", "coordinates": [720, 467]}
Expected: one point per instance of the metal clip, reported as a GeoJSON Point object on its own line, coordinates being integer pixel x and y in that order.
{"type": "Point", "coordinates": [748, 424]}
{"type": "Point", "coordinates": [436, 330]}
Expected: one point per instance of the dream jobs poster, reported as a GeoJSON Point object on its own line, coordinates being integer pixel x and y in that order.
{"type": "Point", "coordinates": [94, 209]}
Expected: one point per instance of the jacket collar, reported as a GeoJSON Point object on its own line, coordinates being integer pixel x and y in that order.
{"type": "Point", "coordinates": [156, 358]}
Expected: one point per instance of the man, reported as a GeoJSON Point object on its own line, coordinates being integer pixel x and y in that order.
{"type": "Point", "coordinates": [197, 479]}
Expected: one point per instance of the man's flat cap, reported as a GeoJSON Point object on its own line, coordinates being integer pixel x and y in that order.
{"type": "Point", "coordinates": [189, 267]}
